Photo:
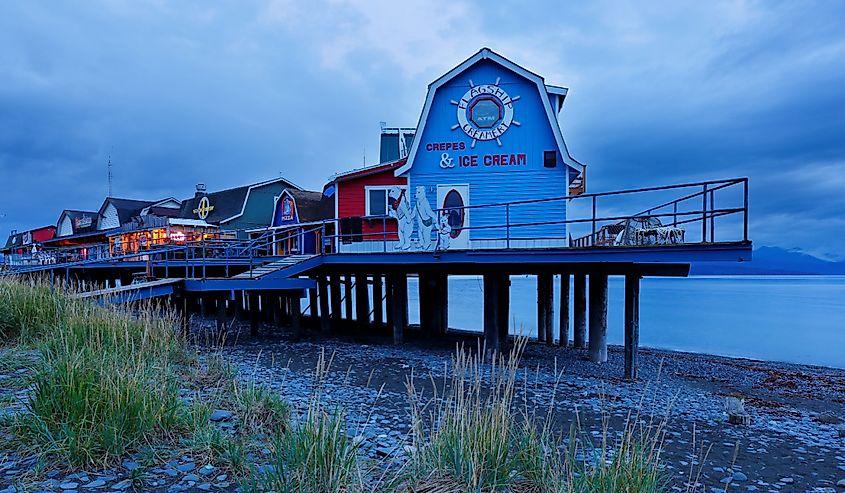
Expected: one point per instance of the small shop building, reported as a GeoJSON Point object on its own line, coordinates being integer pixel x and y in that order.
{"type": "Point", "coordinates": [26, 247]}
{"type": "Point", "coordinates": [366, 207]}
{"type": "Point", "coordinates": [300, 222]}
{"type": "Point", "coordinates": [489, 134]}
{"type": "Point", "coordinates": [241, 208]}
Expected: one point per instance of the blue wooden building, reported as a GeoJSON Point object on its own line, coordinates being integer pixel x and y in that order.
{"type": "Point", "coordinates": [489, 134]}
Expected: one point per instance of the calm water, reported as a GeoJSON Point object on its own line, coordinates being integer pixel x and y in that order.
{"type": "Point", "coordinates": [794, 319]}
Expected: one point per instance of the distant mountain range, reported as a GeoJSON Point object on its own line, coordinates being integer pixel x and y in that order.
{"type": "Point", "coordinates": [771, 261]}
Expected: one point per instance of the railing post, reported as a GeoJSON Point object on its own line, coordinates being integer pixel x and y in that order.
{"type": "Point", "coordinates": [712, 217]}
{"type": "Point", "coordinates": [704, 214]}
{"type": "Point", "coordinates": [593, 235]}
{"type": "Point", "coordinates": [203, 257]}
{"type": "Point", "coordinates": [508, 226]}
{"type": "Point", "coordinates": [745, 209]}
{"type": "Point", "coordinates": [384, 232]}
{"type": "Point", "coordinates": [675, 214]}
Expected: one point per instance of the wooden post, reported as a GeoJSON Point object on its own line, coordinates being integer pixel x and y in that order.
{"type": "Point", "coordinates": [313, 305]}
{"type": "Point", "coordinates": [334, 285]}
{"type": "Point", "coordinates": [347, 294]}
{"type": "Point", "coordinates": [362, 301]}
{"type": "Point", "coordinates": [295, 315]}
{"type": "Point", "coordinates": [545, 308]}
{"type": "Point", "coordinates": [503, 308]}
{"type": "Point", "coordinates": [428, 313]}
{"type": "Point", "coordinates": [181, 306]}
{"type": "Point", "coordinates": [254, 313]}
{"type": "Point", "coordinates": [378, 298]}
{"type": "Point", "coordinates": [564, 310]}
{"type": "Point", "coordinates": [580, 312]}
{"type": "Point", "coordinates": [399, 302]}
{"type": "Point", "coordinates": [492, 291]}
{"type": "Point", "coordinates": [632, 325]}
{"type": "Point", "coordinates": [388, 300]}
{"type": "Point", "coordinates": [442, 303]}
{"type": "Point", "coordinates": [598, 318]}
{"type": "Point", "coordinates": [325, 315]}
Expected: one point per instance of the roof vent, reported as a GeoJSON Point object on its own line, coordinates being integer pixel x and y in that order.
{"type": "Point", "coordinates": [200, 189]}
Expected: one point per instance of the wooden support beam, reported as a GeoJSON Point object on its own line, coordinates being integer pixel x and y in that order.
{"type": "Point", "coordinates": [428, 309]}
{"type": "Point", "coordinates": [336, 297]}
{"type": "Point", "coordinates": [325, 314]}
{"type": "Point", "coordinates": [632, 325]}
{"type": "Point", "coordinates": [598, 318]}
{"type": "Point", "coordinates": [388, 300]}
{"type": "Point", "coordinates": [503, 308]}
{"type": "Point", "coordinates": [313, 307]}
{"type": "Point", "coordinates": [580, 312]}
{"type": "Point", "coordinates": [293, 303]}
{"type": "Point", "coordinates": [378, 298]}
{"type": "Point", "coordinates": [492, 313]}
{"type": "Point", "coordinates": [362, 301]}
{"type": "Point", "coordinates": [545, 308]}
{"type": "Point", "coordinates": [347, 296]}
{"type": "Point", "coordinates": [564, 309]}
{"type": "Point", "coordinates": [254, 314]}
{"type": "Point", "coordinates": [442, 303]}
{"type": "Point", "coordinates": [399, 302]}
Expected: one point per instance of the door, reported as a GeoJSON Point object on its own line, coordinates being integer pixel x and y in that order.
{"type": "Point", "coordinates": [452, 201]}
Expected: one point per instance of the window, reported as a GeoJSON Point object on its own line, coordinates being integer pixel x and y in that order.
{"type": "Point", "coordinates": [378, 200]}
{"type": "Point", "coordinates": [549, 159]}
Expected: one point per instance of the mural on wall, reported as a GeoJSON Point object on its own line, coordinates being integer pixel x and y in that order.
{"type": "Point", "coordinates": [425, 219]}
{"type": "Point", "coordinates": [400, 208]}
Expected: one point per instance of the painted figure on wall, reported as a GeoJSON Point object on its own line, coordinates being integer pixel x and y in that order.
{"type": "Point", "coordinates": [444, 231]}
{"type": "Point", "coordinates": [425, 219]}
{"type": "Point", "coordinates": [400, 208]}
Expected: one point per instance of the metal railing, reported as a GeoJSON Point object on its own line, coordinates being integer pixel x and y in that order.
{"type": "Point", "coordinates": [507, 225]}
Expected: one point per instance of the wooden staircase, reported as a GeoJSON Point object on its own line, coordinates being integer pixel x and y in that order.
{"type": "Point", "coordinates": [262, 270]}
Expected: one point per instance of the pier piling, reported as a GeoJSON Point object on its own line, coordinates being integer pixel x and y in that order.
{"type": "Point", "coordinates": [493, 311]}
{"type": "Point", "coordinates": [334, 285]}
{"type": "Point", "coordinates": [399, 303]}
{"type": "Point", "coordinates": [564, 310]}
{"type": "Point", "coordinates": [378, 297]}
{"type": "Point", "coordinates": [347, 297]}
{"type": "Point", "coordinates": [503, 307]}
{"type": "Point", "coordinates": [254, 313]}
{"type": "Point", "coordinates": [362, 301]}
{"type": "Point", "coordinates": [580, 312]}
{"type": "Point", "coordinates": [295, 309]}
{"type": "Point", "coordinates": [598, 318]}
{"type": "Point", "coordinates": [632, 325]}
{"type": "Point", "coordinates": [545, 308]}
{"type": "Point", "coordinates": [323, 295]}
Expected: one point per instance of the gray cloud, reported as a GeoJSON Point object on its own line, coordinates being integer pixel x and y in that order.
{"type": "Point", "coordinates": [234, 92]}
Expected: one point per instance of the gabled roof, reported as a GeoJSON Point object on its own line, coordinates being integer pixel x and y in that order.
{"type": "Point", "coordinates": [75, 215]}
{"type": "Point", "coordinates": [368, 170]}
{"type": "Point", "coordinates": [310, 206]}
{"type": "Point", "coordinates": [228, 204]}
{"type": "Point", "coordinates": [126, 208]}
{"type": "Point", "coordinates": [15, 240]}
{"type": "Point", "coordinates": [488, 54]}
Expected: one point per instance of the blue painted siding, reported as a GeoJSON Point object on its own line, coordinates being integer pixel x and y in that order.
{"type": "Point", "coordinates": [495, 184]}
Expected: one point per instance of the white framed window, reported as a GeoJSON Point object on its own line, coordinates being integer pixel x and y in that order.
{"type": "Point", "coordinates": [376, 200]}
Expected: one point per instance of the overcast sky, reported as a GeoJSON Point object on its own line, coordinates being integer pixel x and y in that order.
{"type": "Point", "coordinates": [230, 93]}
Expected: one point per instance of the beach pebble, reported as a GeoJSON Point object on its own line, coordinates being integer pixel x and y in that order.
{"type": "Point", "coordinates": [841, 483]}
{"type": "Point", "coordinates": [69, 485]}
{"type": "Point", "coordinates": [220, 415]}
{"type": "Point", "coordinates": [787, 480]}
{"type": "Point", "coordinates": [97, 483]}
{"type": "Point", "coordinates": [190, 466]}
{"type": "Point", "coordinates": [739, 476]}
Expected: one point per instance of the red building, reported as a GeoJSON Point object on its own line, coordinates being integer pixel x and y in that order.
{"type": "Point", "coordinates": [25, 248]}
{"type": "Point", "coordinates": [363, 199]}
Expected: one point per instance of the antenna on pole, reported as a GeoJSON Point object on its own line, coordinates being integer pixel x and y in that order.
{"type": "Point", "coordinates": [110, 176]}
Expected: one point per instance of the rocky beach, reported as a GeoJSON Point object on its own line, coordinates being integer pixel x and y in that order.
{"type": "Point", "coordinates": [794, 441]}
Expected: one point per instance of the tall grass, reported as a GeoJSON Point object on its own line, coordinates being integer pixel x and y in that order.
{"type": "Point", "coordinates": [315, 453]}
{"type": "Point", "coordinates": [474, 437]}
{"type": "Point", "coordinates": [106, 380]}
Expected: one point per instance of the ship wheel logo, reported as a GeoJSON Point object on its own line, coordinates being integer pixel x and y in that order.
{"type": "Point", "coordinates": [485, 112]}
